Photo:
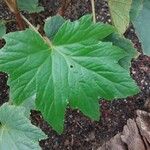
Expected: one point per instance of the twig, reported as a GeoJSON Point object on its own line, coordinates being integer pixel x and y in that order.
{"type": "Point", "coordinates": [12, 4]}
{"type": "Point", "coordinates": [93, 10]}
{"type": "Point", "coordinates": [8, 21]}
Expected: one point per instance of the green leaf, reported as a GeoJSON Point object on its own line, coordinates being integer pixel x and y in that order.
{"type": "Point", "coordinates": [136, 8]}
{"type": "Point", "coordinates": [119, 10]}
{"type": "Point", "coordinates": [29, 104]}
{"type": "Point", "coordinates": [127, 46]}
{"type": "Point", "coordinates": [31, 6]}
{"type": "Point", "coordinates": [142, 26]}
{"type": "Point", "coordinates": [17, 133]}
{"type": "Point", "coordinates": [52, 25]}
{"type": "Point", "coordinates": [2, 29]}
{"type": "Point", "coordinates": [76, 68]}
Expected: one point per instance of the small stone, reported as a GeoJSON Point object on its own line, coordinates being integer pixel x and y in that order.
{"type": "Point", "coordinates": [66, 143]}
{"type": "Point", "coordinates": [91, 136]}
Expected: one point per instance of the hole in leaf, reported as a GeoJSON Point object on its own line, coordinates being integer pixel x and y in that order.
{"type": "Point", "coordinates": [71, 66]}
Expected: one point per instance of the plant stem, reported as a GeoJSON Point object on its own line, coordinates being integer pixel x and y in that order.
{"type": "Point", "coordinates": [12, 4]}
{"type": "Point", "coordinates": [19, 20]}
{"type": "Point", "coordinates": [93, 10]}
{"type": "Point", "coordinates": [30, 24]}
{"type": "Point", "coordinates": [35, 29]}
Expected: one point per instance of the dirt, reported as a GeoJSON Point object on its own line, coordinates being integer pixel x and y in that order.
{"type": "Point", "coordinates": [80, 132]}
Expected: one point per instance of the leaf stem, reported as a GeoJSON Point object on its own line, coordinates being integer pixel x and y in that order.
{"type": "Point", "coordinates": [19, 20]}
{"type": "Point", "coordinates": [12, 5]}
{"type": "Point", "coordinates": [35, 29]}
{"type": "Point", "coordinates": [30, 25]}
{"type": "Point", "coordinates": [93, 10]}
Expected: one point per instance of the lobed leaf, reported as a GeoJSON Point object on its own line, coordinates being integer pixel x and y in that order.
{"type": "Point", "coordinates": [127, 46]}
{"type": "Point", "coordinates": [52, 25]}
{"type": "Point", "coordinates": [119, 10]}
{"type": "Point", "coordinates": [136, 8]}
{"type": "Point", "coordinates": [142, 26]}
{"type": "Point", "coordinates": [75, 69]}
{"type": "Point", "coordinates": [17, 133]}
{"type": "Point", "coordinates": [32, 6]}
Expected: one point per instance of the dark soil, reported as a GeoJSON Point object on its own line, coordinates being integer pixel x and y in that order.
{"type": "Point", "coordinates": [80, 132]}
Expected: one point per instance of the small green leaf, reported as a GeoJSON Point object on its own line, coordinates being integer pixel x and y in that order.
{"type": "Point", "coordinates": [17, 133]}
{"type": "Point", "coordinates": [31, 6]}
{"type": "Point", "coordinates": [142, 26]}
{"type": "Point", "coordinates": [126, 45]}
{"type": "Point", "coordinates": [52, 25]}
{"type": "Point", "coordinates": [120, 10]}
{"type": "Point", "coordinates": [2, 29]}
{"type": "Point", "coordinates": [75, 68]}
